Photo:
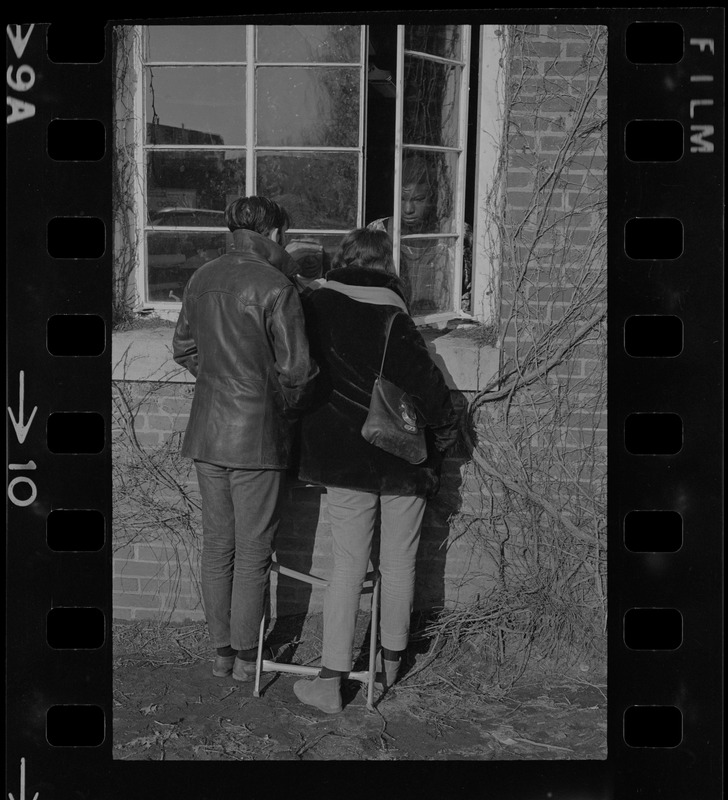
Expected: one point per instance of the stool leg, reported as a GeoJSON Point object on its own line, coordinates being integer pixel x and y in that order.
{"type": "Point", "coordinates": [259, 659]}
{"type": "Point", "coordinates": [374, 626]}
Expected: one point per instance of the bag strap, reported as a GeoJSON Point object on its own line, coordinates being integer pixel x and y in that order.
{"type": "Point", "coordinates": [386, 340]}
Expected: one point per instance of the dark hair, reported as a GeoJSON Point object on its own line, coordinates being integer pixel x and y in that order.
{"type": "Point", "coordinates": [416, 169]}
{"type": "Point", "coordinates": [256, 213]}
{"type": "Point", "coordinates": [365, 247]}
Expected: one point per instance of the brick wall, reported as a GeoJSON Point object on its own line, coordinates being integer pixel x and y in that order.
{"type": "Point", "coordinates": [157, 547]}
{"type": "Point", "coordinates": [554, 270]}
{"type": "Point", "coordinates": [157, 531]}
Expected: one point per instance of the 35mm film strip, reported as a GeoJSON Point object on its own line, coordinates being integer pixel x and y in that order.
{"type": "Point", "coordinates": [665, 346]}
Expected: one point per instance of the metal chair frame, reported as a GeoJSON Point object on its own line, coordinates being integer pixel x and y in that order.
{"type": "Point", "coordinates": [366, 677]}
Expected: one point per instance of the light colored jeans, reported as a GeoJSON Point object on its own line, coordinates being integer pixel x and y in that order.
{"type": "Point", "coordinates": [240, 517]}
{"type": "Point", "coordinates": [353, 516]}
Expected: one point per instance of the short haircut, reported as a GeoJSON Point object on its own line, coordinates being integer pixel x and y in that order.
{"type": "Point", "coordinates": [365, 247]}
{"type": "Point", "coordinates": [256, 213]}
{"type": "Point", "coordinates": [416, 169]}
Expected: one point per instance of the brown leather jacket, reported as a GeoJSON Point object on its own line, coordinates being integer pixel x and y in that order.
{"type": "Point", "coordinates": [241, 333]}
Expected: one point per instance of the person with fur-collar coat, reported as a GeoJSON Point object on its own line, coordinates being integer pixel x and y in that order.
{"type": "Point", "coordinates": [346, 322]}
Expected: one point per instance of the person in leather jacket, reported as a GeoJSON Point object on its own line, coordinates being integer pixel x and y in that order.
{"type": "Point", "coordinates": [241, 333]}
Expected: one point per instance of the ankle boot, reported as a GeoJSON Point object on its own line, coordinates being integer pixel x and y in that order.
{"type": "Point", "coordinates": [322, 693]}
{"type": "Point", "coordinates": [386, 672]}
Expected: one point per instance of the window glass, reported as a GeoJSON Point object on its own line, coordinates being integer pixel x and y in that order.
{"type": "Point", "coordinates": [319, 190]}
{"type": "Point", "coordinates": [195, 43]}
{"type": "Point", "coordinates": [173, 257]}
{"type": "Point", "coordinates": [437, 40]}
{"type": "Point", "coordinates": [429, 186]}
{"type": "Point", "coordinates": [339, 43]}
{"type": "Point", "coordinates": [180, 182]}
{"type": "Point", "coordinates": [308, 106]}
{"type": "Point", "coordinates": [427, 266]}
{"type": "Point", "coordinates": [431, 103]}
{"type": "Point", "coordinates": [195, 105]}
{"type": "Point", "coordinates": [313, 252]}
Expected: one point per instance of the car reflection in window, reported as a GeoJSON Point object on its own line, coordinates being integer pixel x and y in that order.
{"type": "Point", "coordinates": [174, 256]}
{"type": "Point", "coordinates": [188, 217]}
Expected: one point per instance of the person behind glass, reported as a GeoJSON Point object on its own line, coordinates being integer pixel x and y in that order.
{"type": "Point", "coordinates": [425, 264]}
{"type": "Point", "coordinates": [347, 319]}
{"type": "Point", "coordinates": [241, 333]}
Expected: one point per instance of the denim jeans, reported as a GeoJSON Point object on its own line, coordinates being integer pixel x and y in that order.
{"type": "Point", "coordinates": [240, 516]}
{"type": "Point", "coordinates": [353, 516]}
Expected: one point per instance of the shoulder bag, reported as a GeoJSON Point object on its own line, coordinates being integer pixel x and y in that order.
{"type": "Point", "coordinates": [391, 423]}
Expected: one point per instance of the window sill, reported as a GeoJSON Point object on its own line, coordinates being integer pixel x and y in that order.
{"type": "Point", "coordinates": [146, 355]}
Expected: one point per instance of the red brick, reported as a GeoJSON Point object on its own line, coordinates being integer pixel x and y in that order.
{"type": "Point", "coordinates": [122, 613]}
{"type": "Point", "coordinates": [146, 438]}
{"type": "Point", "coordinates": [576, 49]}
{"type": "Point", "coordinates": [176, 405]}
{"type": "Point", "coordinates": [517, 178]}
{"type": "Point", "coordinates": [141, 568]}
{"type": "Point", "coordinates": [136, 600]}
{"type": "Point", "coordinates": [562, 104]}
{"type": "Point", "coordinates": [155, 552]}
{"type": "Point", "coordinates": [159, 422]}
{"type": "Point", "coordinates": [545, 49]}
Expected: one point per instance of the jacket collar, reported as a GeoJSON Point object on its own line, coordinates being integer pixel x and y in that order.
{"type": "Point", "coordinates": [366, 276]}
{"type": "Point", "coordinates": [247, 242]}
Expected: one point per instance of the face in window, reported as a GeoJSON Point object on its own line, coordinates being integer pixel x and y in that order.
{"type": "Point", "coordinates": [417, 207]}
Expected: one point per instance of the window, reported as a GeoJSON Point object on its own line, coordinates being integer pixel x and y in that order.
{"type": "Point", "coordinates": [343, 125]}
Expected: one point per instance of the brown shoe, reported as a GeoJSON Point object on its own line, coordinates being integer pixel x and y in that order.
{"type": "Point", "coordinates": [244, 671]}
{"type": "Point", "coordinates": [223, 666]}
{"type": "Point", "coordinates": [386, 672]}
{"type": "Point", "coordinates": [322, 693]}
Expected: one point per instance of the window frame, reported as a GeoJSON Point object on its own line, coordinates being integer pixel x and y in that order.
{"type": "Point", "coordinates": [490, 108]}
{"type": "Point", "coordinates": [463, 64]}
{"type": "Point", "coordinates": [251, 147]}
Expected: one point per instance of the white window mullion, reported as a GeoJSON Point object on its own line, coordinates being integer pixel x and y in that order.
{"type": "Point", "coordinates": [363, 103]}
{"type": "Point", "coordinates": [250, 178]}
{"type": "Point", "coordinates": [461, 177]}
{"type": "Point", "coordinates": [140, 135]}
{"type": "Point", "coordinates": [398, 134]}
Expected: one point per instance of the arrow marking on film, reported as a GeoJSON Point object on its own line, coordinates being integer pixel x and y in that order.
{"type": "Point", "coordinates": [22, 776]}
{"type": "Point", "coordinates": [21, 427]}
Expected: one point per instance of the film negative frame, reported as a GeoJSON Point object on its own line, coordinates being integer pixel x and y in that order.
{"type": "Point", "coordinates": [59, 404]}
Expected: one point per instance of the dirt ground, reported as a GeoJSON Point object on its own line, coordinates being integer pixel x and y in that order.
{"type": "Point", "coordinates": [168, 706]}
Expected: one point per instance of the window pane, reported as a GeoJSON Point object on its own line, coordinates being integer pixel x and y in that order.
{"type": "Point", "coordinates": [173, 257]}
{"type": "Point", "coordinates": [308, 106]}
{"type": "Point", "coordinates": [437, 40]}
{"type": "Point", "coordinates": [431, 103]}
{"type": "Point", "coordinates": [429, 186]}
{"type": "Point", "coordinates": [428, 266]}
{"type": "Point", "coordinates": [192, 188]}
{"type": "Point", "coordinates": [308, 43]}
{"type": "Point", "coordinates": [313, 252]}
{"type": "Point", "coordinates": [319, 190]}
{"type": "Point", "coordinates": [195, 43]}
{"type": "Point", "coordinates": [196, 105]}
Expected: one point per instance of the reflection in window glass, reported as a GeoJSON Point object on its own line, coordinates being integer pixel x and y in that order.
{"type": "Point", "coordinates": [195, 43]}
{"type": "Point", "coordinates": [437, 40]}
{"type": "Point", "coordinates": [319, 190]}
{"type": "Point", "coordinates": [195, 105]}
{"type": "Point", "coordinates": [181, 182]}
{"type": "Point", "coordinates": [427, 267]}
{"type": "Point", "coordinates": [304, 106]}
{"type": "Point", "coordinates": [428, 188]}
{"type": "Point", "coordinates": [313, 252]}
{"type": "Point", "coordinates": [173, 257]}
{"type": "Point", "coordinates": [431, 103]}
{"type": "Point", "coordinates": [338, 43]}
